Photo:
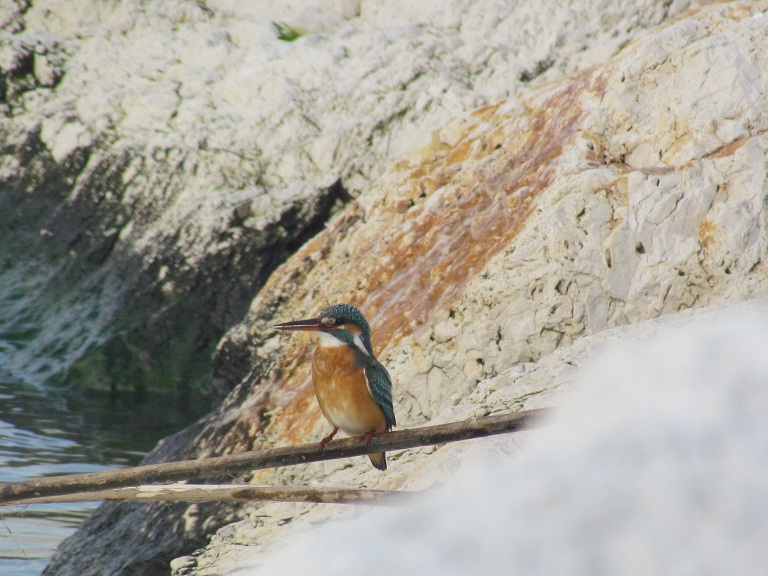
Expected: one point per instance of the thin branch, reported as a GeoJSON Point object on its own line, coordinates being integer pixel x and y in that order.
{"type": "Point", "coordinates": [225, 492]}
{"type": "Point", "coordinates": [270, 458]}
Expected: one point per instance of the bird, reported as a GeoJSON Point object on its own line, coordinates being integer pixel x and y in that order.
{"type": "Point", "coordinates": [353, 388]}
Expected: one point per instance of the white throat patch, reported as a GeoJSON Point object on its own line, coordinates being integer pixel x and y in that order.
{"type": "Point", "coordinates": [329, 341]}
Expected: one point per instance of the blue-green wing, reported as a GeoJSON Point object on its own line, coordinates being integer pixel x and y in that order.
{"type": "Point", "coordinates": [381, 389]}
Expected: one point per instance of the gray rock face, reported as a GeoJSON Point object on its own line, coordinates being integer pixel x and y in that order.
{"type": "Point", "coordinates": [126, 250]}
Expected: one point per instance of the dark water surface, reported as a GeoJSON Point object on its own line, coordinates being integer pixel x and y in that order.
{"type": "Point", "coordinates": [47, 432]}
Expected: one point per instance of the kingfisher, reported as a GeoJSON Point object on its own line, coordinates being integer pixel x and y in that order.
{"type": "Point", "coordinates": [354, 389]}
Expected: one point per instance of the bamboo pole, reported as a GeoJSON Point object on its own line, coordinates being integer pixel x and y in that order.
{"type": "Point", "coordinates": [270, 458]}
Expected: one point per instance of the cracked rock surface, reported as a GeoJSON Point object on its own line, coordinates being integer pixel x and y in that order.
{"type": "Point", "coordinates": [159, 159]}
{"type": "Point", "coordinates": [590, 198]}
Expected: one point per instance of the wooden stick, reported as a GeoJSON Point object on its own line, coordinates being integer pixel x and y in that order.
{"type": "Point", "coordinates": [224, 492]}
{"type": "Point", "coordinates": [270, 458]}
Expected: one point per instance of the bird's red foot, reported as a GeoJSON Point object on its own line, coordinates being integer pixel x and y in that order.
{"type": "Point", "coordinates": [328, 438]}
{"type": "Point", "coordinates": [368, 435]}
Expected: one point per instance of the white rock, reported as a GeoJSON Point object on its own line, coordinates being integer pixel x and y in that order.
{"type": "Point", "coordinates": [656, 466]}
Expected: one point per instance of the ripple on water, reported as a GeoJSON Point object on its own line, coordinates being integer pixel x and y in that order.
{"type": "Point", "coordinates": [30, 534]}
{"type": "Point", "coordinates": [42, 435]}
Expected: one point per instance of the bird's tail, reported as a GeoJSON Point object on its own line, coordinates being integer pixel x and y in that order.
{"type": "Point", "coordinates": [379, 460]}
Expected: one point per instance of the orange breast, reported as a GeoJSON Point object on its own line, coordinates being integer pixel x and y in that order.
{"type": "Point", "coordinates": [342, 392]}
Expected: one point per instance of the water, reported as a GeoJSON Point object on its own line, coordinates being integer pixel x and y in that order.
{"type": "Point", "coordinates": [46, 432]}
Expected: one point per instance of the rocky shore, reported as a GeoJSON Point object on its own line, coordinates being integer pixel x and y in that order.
{"type": "Point", "coordinates": [500, 188]}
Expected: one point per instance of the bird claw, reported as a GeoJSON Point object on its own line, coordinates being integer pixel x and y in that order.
{"type": "Point", "coordinates": [368, 435]}
{"type": "Point", "coordinates": [328, 438]}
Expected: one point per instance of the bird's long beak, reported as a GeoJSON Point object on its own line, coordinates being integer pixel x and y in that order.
{"type": "Point", "coordinates": [309, 324]}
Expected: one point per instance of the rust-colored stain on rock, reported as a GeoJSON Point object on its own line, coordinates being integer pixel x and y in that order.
{"type": "Point", "coordinates": [708, 233]}
{"type": "Point", "coordinates": [401, 265]}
